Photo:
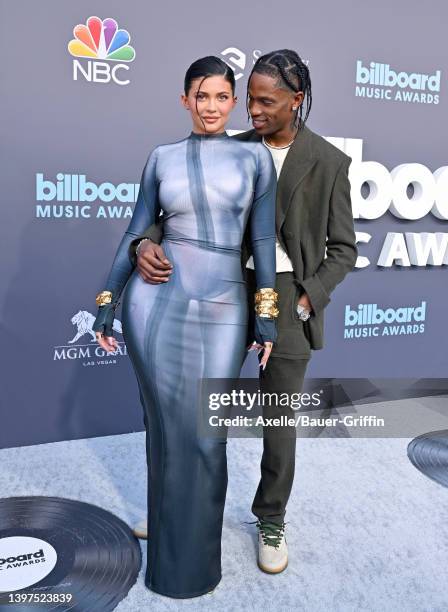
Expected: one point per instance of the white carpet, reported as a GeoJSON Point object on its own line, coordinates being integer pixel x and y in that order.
{"type": "Point", "coordinates": [366, 530]}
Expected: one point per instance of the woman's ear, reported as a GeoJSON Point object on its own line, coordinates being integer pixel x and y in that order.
{"type": "Point", "coordinates": [184, 101]}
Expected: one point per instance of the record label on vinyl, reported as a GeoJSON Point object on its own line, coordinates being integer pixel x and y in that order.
{"type": "Point", "coordinates": [62, 554]}
{"type": "Point", "coordinates": [24, 561]}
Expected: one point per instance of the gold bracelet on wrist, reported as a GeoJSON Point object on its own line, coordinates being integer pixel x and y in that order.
{"type": "Point", "coordinates": [265, 294]}
{"type": "Point", "coordinates": [103, 298]}
{"type": "Point", "coordinates": [269, 312]}
{"type": "Point", "coordinates": [266, 303]}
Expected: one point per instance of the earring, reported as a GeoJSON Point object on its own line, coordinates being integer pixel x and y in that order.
{"type": "Point", "coordinates": [294, 108]}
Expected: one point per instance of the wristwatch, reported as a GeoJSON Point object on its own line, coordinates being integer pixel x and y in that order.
{"type": "Point", "coordinates": [303, 313]}
{"type": "Point", "coordinates": [139, 245]}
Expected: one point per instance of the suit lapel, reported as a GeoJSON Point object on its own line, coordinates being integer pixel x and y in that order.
{"type": "Point", "coordinates": [296, 166]}
{"type": "Point", "coordinates": [249, 136]}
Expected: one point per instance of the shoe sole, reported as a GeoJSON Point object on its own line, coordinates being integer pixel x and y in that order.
{"type": "Point", "coordinates": [271, 571]}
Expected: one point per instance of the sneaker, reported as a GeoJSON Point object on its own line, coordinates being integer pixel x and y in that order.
{"type": "Point", "coordinates": [272, 549]}
{"type": "Point", "coordinates": [141, 530]}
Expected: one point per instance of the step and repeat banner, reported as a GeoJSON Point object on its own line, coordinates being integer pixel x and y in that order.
{"type": "Point", "coordinates": [88, 89]}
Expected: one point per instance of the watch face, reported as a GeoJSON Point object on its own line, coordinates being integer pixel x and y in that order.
{"type": "Point", "coordinates": [303, 313]}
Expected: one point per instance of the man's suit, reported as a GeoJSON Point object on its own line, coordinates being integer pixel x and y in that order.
{"type": "Point", "coordinates": [313, 217]}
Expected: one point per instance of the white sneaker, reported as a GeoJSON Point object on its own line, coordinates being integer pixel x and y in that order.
{"type": "Point", "coordinates": [141, 530]}
{"type": "Point", "coordinates": [272, 549]}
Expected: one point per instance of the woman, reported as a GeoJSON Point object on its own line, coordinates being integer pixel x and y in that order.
{"type": "Point", "coordinates": [193, 326]}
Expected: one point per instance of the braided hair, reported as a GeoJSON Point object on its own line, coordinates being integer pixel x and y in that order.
{"type": "Point", "coordinates": [291, 73]}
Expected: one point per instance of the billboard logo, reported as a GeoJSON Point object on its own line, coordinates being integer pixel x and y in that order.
{"type": "Point", "coordinates": [76, 188]}
{"type": "Point", "coordinates": [380, 81]}
{"type": "Point", "coordinates": [369, 320]}
{"type": "Point", "coordinates": [24, 561]}
{"type": "Point", "coordinates": [103, 47]}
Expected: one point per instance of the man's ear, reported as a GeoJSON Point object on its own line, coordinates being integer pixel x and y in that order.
{"type": "Point", "coordinates": [298, 99]}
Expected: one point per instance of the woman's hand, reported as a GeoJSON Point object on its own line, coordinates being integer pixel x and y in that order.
{"type": "Point", "coordinates": [108, 343]}
{"type": "Point", "coordinates": [265, 332]}
{"type": "Point", "coordinates": [103, 326]}
{"type": "Point", "coordinates": [266, 348]}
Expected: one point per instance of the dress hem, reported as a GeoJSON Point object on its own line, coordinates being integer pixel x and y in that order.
{"type": "Point", "coordinates": [185, 595]}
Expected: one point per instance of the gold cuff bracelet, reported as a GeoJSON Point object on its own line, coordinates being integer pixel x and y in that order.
{"type": "Point", "coordinates": [103, 298]}
{"type": "Point", "coordinates": [265, 303]}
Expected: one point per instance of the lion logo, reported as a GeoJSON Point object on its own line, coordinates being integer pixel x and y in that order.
{"type": "Point", "coordinates": [84, 321]}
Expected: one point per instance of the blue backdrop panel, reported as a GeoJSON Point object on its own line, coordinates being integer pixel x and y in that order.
{"type": "Point", "coordinates": [90, 88]}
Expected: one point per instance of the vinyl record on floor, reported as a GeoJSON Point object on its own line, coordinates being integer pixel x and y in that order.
{"type": "Point", "coordinates": [64, 555]}
{"type": "Point", "coordinates": [429, 454]}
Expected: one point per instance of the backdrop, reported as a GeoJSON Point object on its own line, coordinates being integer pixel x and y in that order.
{"type": "Point", "coordinates": [89, 88]}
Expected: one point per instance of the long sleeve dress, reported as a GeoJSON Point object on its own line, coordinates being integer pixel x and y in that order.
{"type": "Point", "coordinates": [189, 328]}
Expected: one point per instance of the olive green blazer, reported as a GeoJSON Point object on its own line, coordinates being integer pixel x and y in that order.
{"type": "Point", "coordinates": [314, 222]}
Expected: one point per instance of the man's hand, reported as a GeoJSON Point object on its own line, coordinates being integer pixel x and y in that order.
{"type": "Point", "coordinates": [305, 302]}
{"type": "Point", "coordinates": [152, 265]}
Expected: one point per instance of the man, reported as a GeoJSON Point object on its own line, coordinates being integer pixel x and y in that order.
{"type": "Point", "coordinates": [315, 250]}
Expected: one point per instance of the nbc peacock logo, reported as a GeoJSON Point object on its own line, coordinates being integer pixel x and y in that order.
{"type": "Point", "coordinates": [101, 48]}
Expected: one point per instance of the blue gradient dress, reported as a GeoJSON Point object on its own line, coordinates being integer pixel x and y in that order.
{"type": "Point", "coordinates": [192, 327]}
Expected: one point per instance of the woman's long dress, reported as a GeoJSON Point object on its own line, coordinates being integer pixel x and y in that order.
{"type": "Point", "coordinates": [192, 327]}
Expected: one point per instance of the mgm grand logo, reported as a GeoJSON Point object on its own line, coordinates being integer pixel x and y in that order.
{"type": "Point", "coordinates": [91, 353]}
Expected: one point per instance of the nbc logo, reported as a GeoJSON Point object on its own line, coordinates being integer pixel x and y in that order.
{"type": "Point", "coordinates": [96, 41]}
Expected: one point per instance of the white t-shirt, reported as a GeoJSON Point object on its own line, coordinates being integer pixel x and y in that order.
{"type": "Point", "coordinates": [282, 261]}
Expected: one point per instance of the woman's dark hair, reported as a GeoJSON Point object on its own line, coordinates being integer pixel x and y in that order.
{"type": "Point", "coordinates": [291, 72]}
{"type": "Point", "coordinates": [207, 67]}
